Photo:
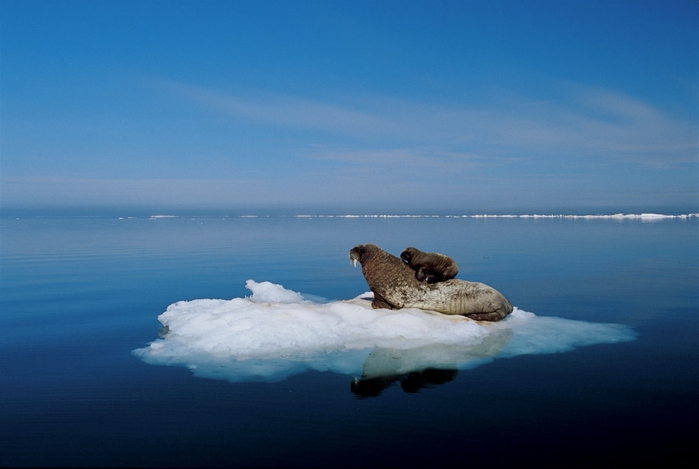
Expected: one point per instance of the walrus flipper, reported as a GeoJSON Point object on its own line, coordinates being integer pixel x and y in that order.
{"type": "Point", "coordinates": [496, 316]}
{"type": "Point", "coordinates": [421, 276]}
{"type": "Point", "coordinates": [380, 303]}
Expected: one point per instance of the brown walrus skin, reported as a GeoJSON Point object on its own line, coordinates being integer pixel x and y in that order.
{"type": "Point", "coordinates": [431, 266]}
{"type": "Point", "coordinates": [395, 286]}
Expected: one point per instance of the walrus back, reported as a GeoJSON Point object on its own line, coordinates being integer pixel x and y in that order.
{"type": "Point", "coordinates": [459, 297]}
{"type": "Point", "coordinates": [438, 266]}
{"type": "Point", "coordinates": [390, 278]}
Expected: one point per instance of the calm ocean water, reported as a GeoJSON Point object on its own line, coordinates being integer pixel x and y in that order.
{"type": "Point", "coordinates": [78, 295]}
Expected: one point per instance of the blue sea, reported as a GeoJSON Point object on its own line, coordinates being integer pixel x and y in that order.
{"type": "Point", "coordinates": [195, 339]}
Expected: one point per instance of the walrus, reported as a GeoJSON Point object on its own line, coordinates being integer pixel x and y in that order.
{"type": "Point", "coordinates": [431, 266]}
{"type": "Point", "coordinates": [395, 286]}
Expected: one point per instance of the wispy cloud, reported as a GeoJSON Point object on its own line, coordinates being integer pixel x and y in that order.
{"type": "Point", "coordinates": [269, 108]}
{"type": "Point", "coordinates": [409, 156]}
{"type": "Point", "coordinates": [587, 122]}
{"type": "Point", "coordinates": [50, 190]}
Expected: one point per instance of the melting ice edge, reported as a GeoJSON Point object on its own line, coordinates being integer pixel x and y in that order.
{"type": "Point", "coordinates": [276, 333]}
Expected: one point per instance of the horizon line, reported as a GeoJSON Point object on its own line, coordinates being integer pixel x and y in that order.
{"type": "Point", "coordinates": [643, 216]}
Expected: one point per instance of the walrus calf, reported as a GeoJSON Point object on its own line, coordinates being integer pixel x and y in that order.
{"type": "Point", "coordinates": [395, 286]}
{"type": "Point", "coordinates": [431, 266]}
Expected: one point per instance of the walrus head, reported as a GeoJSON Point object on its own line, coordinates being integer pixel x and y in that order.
{"type": "Point", "coordinates": [358, 252]}
{"type": "Point", "coordinates": [407, 254]}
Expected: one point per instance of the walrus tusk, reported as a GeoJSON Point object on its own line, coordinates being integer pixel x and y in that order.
{"type": "Point", "coordinates": [353, 262]}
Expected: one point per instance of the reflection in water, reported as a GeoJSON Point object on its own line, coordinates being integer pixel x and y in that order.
{"type": "Point", "coordinates": [427, 366]}
{"type": "Point", "coordinates": [411, 382]}
{"type": "Point", "coordinates": [386, 362]}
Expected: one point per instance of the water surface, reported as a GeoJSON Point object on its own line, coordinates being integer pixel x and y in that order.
{"type": "Point", "coordinates": [80, 294]}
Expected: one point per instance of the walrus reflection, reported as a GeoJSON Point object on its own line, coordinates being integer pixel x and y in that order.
{"type": "Point", "coordinates": [429, 378]}
{"type": "Point", "coordinates": [424, 367]}
{"type": "Point", "coordinates": [411, 383]}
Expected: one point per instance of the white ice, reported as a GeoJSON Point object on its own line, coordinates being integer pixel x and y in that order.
{"type": "Point", "coordinates": [275, 333]}
{"type": "Point", "coordinates": [644, 217]}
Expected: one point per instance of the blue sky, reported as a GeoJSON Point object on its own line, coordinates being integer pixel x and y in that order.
{"type": "Point", "coordinates": [478, 106]}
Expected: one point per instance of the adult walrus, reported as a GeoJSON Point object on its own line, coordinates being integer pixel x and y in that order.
{"type": "Point", "coordinates": [431, 266]}
{"type": "Point", "coordinates": [395, 286]}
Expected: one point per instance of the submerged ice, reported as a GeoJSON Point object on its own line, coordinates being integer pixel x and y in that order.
{"type": "Point", "coordinates": [275, 333]}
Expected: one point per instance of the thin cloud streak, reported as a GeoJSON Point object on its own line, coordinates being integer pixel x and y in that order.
{"type": "Point", "coordinates": [409, 158]}
{"type": "Point", "coordinates": [591, 122]}
{"type": "Point", "coordinates": [50, 190]}
{"type": "Point", "coordinates": [339, 187]}
{"type": "Point", "coordinates": [287, 111]}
